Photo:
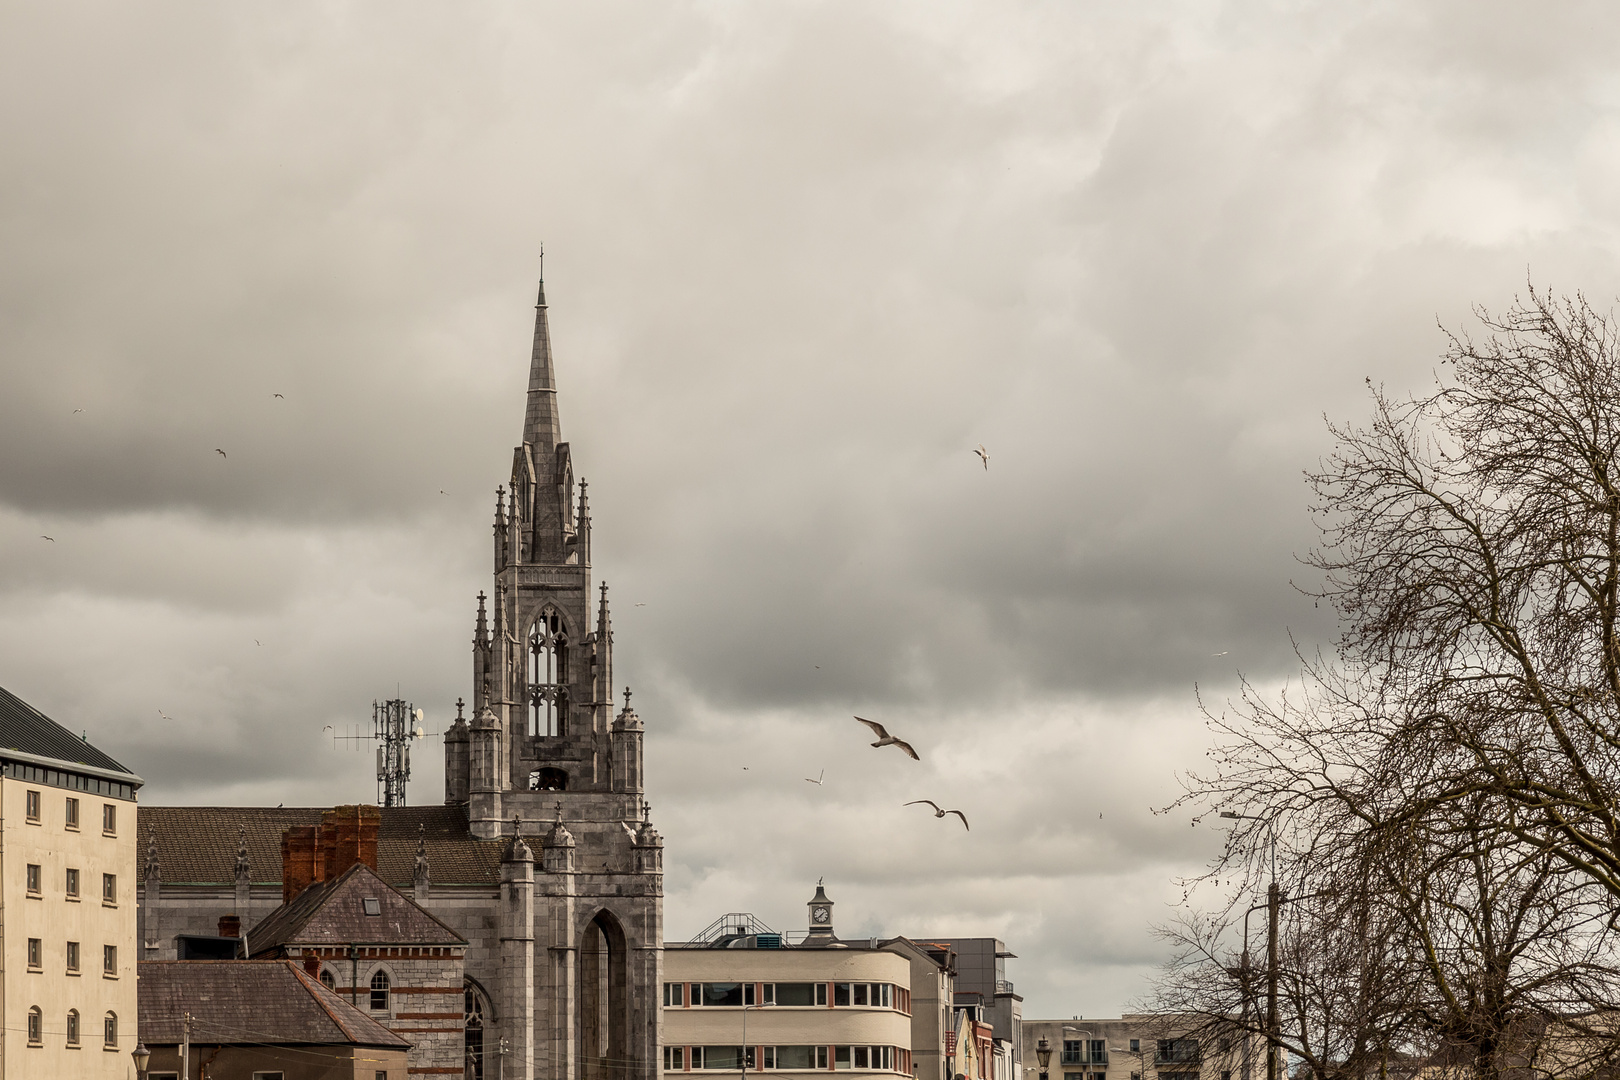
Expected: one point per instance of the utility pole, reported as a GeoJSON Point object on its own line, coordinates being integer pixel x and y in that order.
{"type": "Point", "coordinates": [500, 1058]}
{"type": "Point", "coordinates": [185, 1047]}
{"type": "Point", "coordinates": [1273, 909]}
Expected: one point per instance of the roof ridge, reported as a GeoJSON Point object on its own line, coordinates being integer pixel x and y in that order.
{"type": "Point", "coordinates": [320, 999]}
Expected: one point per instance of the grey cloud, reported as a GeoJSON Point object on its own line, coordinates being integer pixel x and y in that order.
{"type": "Point", "coordinates": [802, 259]}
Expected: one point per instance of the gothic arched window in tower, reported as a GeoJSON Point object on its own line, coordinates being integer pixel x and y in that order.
{"type": "Point", "coordinates": [548, 779]}
{"type": "Point", "coordinates": [548, 675]}
{"type": "Point", "coordinates": [473, 1030]}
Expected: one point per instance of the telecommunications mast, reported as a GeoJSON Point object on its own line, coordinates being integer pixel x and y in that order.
{"type": "Point", "coordinates": [394, 723]}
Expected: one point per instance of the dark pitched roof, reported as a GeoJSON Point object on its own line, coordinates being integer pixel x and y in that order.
{"type": "Point", "coordinates": [249, 1002]}
{"type": "Point", "coordinates": [197, 844]}
{"type": "Point", "coordinates": [25, 728]}
{"type": "Point", "coordinates": [332, 913]}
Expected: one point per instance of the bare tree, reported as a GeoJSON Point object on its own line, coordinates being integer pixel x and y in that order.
{"type": "Point", "coordinates": [1451, 772]}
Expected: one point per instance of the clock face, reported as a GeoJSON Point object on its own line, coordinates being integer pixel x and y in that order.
{"type": "Point", "coordinates": [820, 914]}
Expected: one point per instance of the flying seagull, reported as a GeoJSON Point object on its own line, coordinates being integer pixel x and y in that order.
{"type": "Point", "coordinates": [166, 716]}
{"type": "Point", "coordinates": [52, 539]}
{"type": "Point", "coordinates": [221, 453]}
{"type": "Point", "coordinates": [641, 605]}
{"type": "Point", "coordinates": [78, 410]}
{"type": "Point", "coordinates": [984, 455]}
{"type": "Point", "coordinates": [941, 813]}
{"type": "Point", "coordinates": [885, 739]}
{"type": "Point", "coordinates": [279, 396]}
{"type": "Point", "coordinates": [818, 779]}
{"type": "Point", "coordinates": [256, 641]}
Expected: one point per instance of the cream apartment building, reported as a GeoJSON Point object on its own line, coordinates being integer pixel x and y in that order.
{"type": "Point", "coordinates": [67, 894]}
{"type": "Point", "coordinates": [1142, 1047]}
{"type": "Point", "coordinates": [743, 999]}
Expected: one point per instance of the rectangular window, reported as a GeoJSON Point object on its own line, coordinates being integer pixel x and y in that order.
{"type": "Point", "coordinates": [792, 1057]}
{"type": "Point", "coordinates": [31, 806]}
{"type": "Point", "coordinates": [841, 1054]}
{"type": "Point", "coordinates": [860, 994]}
{"type": "Point", "coordinates": [720, 994]}
{"type": "Point", "coordinates": [674, 995]}
{"type": "Point", "coordinates": [1099, 1051]}
{"type": "Point", "coordinates": [862, 1057]}
{"type": "Point", "coordinates": [382, 1074]}
{"type": "Point", "coordinates": [72, 883]}
{"type": "Point", "coordinates": [748, 993]}
{"type": "Point", "coordinates": [1072, 1053]}
{"type": "Point", "coordinates": [821, 993]}
{"type": "Point", "coordinates": [32, 876]}
{"type": "Point", "coordinates": [770, 1057]}
{"type": "Point", "coordinates": [793, 993]}
{"type": "Point", "coordinates": [109, 888]}
{"type": "Point", "coordinates": [73, 957]}
{"type": "Point", "coordinates": [1074, 1076]}
{"type": "Point", "coordinates": [1177, 1050]}
{"type": "Point", "coordinates": [674, 1056]}
{"type": "Point", "coordinates": [720, 1057]}
{"type": "Point", "coordinates": [887, 1002]}
{"type": "Point", "coordinates": [1136, 1046]}
{"type": "Point", "coordinates": [109, 960]}
{"type": "Point", "coordinates": [109, 819]}
{"type": "Point", "coordinates": [73, 813]}
{"type": "Point", "coordinates": [748, 1057]}
{"type": "Point", "coordinates": [840, 993]}
{"type": "Point", "coordinates": [36, 954]}
{"type": "Point", "coordinates": [821, 1057]}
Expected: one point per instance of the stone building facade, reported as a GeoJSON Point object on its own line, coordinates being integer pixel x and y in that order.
{"type": "Point", "coordinates": [544, 857]}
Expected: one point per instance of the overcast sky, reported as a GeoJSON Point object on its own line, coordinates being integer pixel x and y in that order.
{"type": "Point", "coordinates": [801, 259]}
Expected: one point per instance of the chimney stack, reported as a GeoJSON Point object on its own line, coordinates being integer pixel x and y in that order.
{"type": "Point", "coordinates": [316, 853]}
{"type": "Point", "coordinates": [230, 926]}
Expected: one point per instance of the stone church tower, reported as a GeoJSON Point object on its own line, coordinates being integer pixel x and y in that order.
{"type": "Point", "coordinates": [545, 756]}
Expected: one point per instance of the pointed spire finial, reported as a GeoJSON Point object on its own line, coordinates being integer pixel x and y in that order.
{"type": "Point", "coordinates": [559, 811]}
{"type": "Point", "coordinates": [627, 698]}
{"type": "Point", "coordinates": [459, 706]}
{"type": "Point", "coordinates": [646, 812]}
{"type": "Point", "coordinates": [517, 824]}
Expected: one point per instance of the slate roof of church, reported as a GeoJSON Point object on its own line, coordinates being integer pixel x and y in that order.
{"type": "Point", "coordinates": [332, 913]}
{"type": "Point", "coordinates": [253, 1002]}
{"type": "Point", "coordinates": [25, 728]}
{"type": "Point", "coordinates": [196, 845]}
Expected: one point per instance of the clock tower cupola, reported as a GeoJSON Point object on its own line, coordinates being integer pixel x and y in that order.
{"type": "Point", "coordinates": [820, 914]}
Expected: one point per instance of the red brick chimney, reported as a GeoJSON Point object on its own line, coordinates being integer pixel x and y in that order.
{"type": "Point", "coordinates": [313, 853]}
{"type": "Point", "coordinates": [300, 860]}
{"type": "Point", "coordinates": [230, 926]}
{"type": "Point", "coordinates": [353, 830]}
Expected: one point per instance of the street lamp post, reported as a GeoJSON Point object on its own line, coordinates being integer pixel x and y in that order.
{"type": "Point", "coordinates": [762, 1005]}
{"type": "Point", "coordinates": [1273, 908]}
{"type": "Point", "coordinates": [142, 1057]}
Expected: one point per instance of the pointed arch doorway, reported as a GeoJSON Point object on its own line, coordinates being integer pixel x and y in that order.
{"type": "Point", "coordinates": [604, 1001]}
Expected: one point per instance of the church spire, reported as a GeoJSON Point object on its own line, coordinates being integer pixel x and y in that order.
{"type": "Point", "coordinates": [541, 428]}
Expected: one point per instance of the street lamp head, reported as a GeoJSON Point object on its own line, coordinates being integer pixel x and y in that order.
{"type": "Point", "coordinates": [142, 1057]}
{"type": "Point", "coordinates": [1043, 1051]}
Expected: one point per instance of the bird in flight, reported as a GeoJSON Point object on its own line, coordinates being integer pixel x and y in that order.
{"type": "Point", "coordinates": [1223, 652]}
{"type": "Point", "coordinates": [641, 605]}
{"type": "Point", "coordinates": [279, 396]}
{"type": "Point", "coordinates": [221, 453]}
{"type": "Point", "coordinates": [328, 727]}
{"type": "Point", "coordinates": [52, 539]}
{"type": "Point", "coordinates": [818, 779]}
{"type": "Point", "coordinates": [941, 813]}
{"type": "Point", "coordinates": [256, 641]}
{"type": "Point", "coordinates": [77, 411]}
{"type": "Point", "coordinates": [166, 716]}
{"type": "Point", "coordinates": [984, 455]}
{"type": "Point", "coordinates": [885, 739]}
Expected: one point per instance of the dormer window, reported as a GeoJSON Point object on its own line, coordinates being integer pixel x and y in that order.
{"type": "Point", "coordinates": [371, 905]}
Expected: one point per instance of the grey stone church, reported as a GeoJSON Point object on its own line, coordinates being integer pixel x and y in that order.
{"type": "Point", "coordinates": [536, 949]}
